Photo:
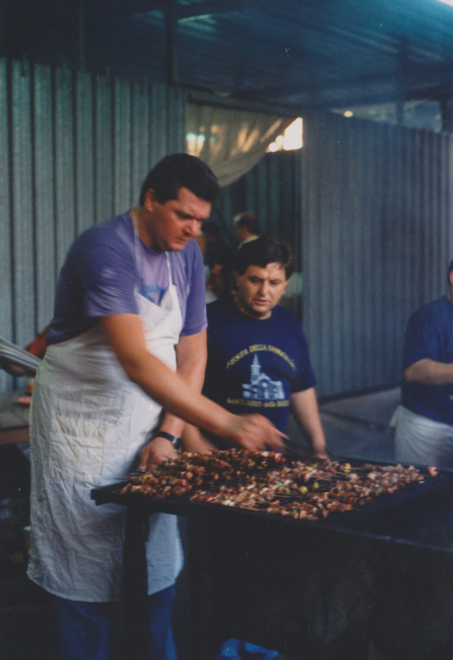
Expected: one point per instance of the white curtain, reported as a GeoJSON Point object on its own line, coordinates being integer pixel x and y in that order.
{"type": "Point", "coordinates": [231, 142]}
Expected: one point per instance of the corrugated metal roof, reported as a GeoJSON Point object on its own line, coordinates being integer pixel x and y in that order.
{"type": "Point", "coordinates": [311, 53]}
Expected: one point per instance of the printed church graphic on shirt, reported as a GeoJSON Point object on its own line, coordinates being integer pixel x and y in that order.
{"type": "Point", "coordinates": [261, 387]}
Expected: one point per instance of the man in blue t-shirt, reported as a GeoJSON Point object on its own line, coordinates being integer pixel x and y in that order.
{"type": "Point", "coordinates": [424, 421]}
{"type": "Point", "coordinates": [257, 352]}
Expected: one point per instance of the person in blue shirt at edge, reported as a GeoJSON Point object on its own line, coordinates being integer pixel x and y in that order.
{"type": "Point", "coordinates": [257, 351]}
{"type": "Point", "coordinates": [424, 420]}
{"type": "Point", "coordinates": [129, 312]}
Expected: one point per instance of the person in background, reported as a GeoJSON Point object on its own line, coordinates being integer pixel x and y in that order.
{"type": "Point", "coordinates": [246, 228]}
{"type": "Point", "coordinates": [257, 352]}
{"type": "Point", "coordinates": [217, 257]}
{"type": "Point", "coordinates": [129, 311]}
{"type": "Point", "coordinates": [424, 421]}
{"type": "Point", "coordinates": [36, 347]}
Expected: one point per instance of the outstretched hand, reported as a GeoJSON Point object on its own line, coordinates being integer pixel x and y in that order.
{"type": "Point", "coordinates": [256, 433]}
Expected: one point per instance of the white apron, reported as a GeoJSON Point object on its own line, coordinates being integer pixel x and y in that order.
{"type": "Point", "coordinates": [421, 440]}
{"type": "Point", "coordinates": [89, 423]}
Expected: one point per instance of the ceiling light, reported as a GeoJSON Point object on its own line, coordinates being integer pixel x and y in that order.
{"type": "Point", "coordinates": [349, 113]}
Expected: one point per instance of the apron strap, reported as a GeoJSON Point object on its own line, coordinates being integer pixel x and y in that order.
{"type": "Point", "coordinates": [170, 280]}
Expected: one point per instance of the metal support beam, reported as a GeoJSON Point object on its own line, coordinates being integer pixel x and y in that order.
{"type": "Point", "coordinates": [200, 8]}
{"type": "Point", "coordinates": [419, 81]}
{"type": "Point", "coordinates": [204, 98]}
{"type": "Point", "coordinates": [143, 6]}
{"type": "Point", "coordinates": [222, 7]}
{"type": "Point", "coordinates": [446, 107]}
{"type": "Point", "coordinates": [399, 113]}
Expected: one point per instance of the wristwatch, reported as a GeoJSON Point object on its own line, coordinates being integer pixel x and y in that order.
{"type": "Point", "coordinates": [174, 439]}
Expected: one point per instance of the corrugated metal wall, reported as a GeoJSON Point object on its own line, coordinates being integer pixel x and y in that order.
{"type": "Point", "coordinates": [75, 148]}
{"type": "Point", "coordinates": [375, 233]}
{"type": "Point", "coordinates": [377, 240]}
{"type": "Point", "coordinates": [272, 191]}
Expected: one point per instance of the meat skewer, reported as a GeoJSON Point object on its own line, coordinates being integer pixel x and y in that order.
{"type": "Point", "coordinates": [268, 481]}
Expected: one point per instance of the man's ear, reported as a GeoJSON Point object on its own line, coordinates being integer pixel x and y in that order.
{"type": "Point", "coordinates": [236, 275]}
{"type": "Point", "coordinates": [150, 199]}
{"type": "Point", "coordinates": [450, 278]}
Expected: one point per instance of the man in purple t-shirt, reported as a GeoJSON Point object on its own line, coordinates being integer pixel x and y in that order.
{"type": "Point", "coordinates": [129, 312]}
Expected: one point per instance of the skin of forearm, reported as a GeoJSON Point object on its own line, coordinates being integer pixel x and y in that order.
{"type": "Point", "coordinates": [304, 406]}
{"type": "Point", "coordinates": [191, 365]}
{"type": "Point", "coordinates": [193, 440]}
{"type": "Point", "coordinates": [315, 435]}
{"type": "Point", "coordinates": [175, 395]}
{"type": "Point", "coordinates": [429, 372]}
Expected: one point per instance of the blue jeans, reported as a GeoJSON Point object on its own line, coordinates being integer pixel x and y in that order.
{"type": "Point", "coordinates": [87, 630]}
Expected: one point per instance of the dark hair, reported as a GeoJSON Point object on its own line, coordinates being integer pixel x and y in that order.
{"type": "Point", "coordinates": [450, 269]}
{"type": "Point", "coordinates": [262, 251]}
{"type": "Point", "coordinates": [180, 171]}
{"type": "Point", "coordinates": [249, 221]}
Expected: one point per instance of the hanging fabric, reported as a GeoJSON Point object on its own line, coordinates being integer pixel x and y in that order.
{"type": "Point", "coordinates": [231, 141]}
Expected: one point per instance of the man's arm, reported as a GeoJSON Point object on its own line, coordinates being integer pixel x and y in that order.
{"type": "Point", "coordinates": [191, 357]}
{"type": "Point", "coordinates": [124, 333]}
{"type": "Point", "coordinates": [195, 441]}
{"type": "Point", "coordinates": [429, 372]}
{"type": "Point", "coordinates": [304, 406]}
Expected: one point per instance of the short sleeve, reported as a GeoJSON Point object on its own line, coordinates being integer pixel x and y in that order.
{"type": "Point", "coordinates": [107, 275]}
{"type": "Point", "coordinates": [305, 378]}
{"type": "Point", "coordinates": [422, 340]}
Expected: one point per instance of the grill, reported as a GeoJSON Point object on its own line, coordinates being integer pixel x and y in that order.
{"type": "Point", "coordinates": [248, 570]}
{"type": "Point", "coordinates": [343, 521]}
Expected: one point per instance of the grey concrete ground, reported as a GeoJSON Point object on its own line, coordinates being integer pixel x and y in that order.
{"type": "Point", "coordinates": [359, 426]}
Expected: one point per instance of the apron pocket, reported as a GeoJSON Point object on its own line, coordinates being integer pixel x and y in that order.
{"type": "Point", "coordinates": [77, 447]}
{"type": "Point", "coordinates": [79, 424]}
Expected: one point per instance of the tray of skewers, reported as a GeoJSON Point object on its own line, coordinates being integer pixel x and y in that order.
{"type": "Point", "coordinates": [269, 483]}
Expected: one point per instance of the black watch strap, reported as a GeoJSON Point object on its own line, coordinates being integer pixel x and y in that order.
{"type": "Point", "coordinates": [174, 439]}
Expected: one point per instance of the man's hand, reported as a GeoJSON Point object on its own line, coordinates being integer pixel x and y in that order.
{"type": "Point", "coordinates": [256, 433]}
{"type": "Point", "coordinates": [156, 451]}
{"type": "Point", "coordinates": [194, 441]}
{"type": "Point", "coordinates": [320, 452]}
{"type": "Point", "coordinates": [304, 406]}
